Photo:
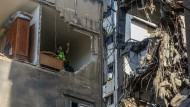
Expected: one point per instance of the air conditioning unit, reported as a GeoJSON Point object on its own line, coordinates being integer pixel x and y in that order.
{"type": "Point", "coordinates": [109, 76]}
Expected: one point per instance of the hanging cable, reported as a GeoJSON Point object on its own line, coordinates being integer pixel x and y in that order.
{"type": "Point", "coordinates": [55, 31]}
{"type": "Point", "coordinates": [183, 7]}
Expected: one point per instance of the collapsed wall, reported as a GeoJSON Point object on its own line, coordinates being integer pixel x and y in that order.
{"type": "Point", "coordinates": [55, 32]}
{"type": "Point", "coordinates": [163, 80]}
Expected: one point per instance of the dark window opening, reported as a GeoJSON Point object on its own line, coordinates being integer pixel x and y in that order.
{"type": "Point", "coordinates": [111, 67]}
{"type": "Point", "coordinates": [109, 40]}
{"type": "Point", "coordinates": [74, 104]}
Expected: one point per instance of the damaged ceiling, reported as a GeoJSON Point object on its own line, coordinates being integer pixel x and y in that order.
{"type": "Point", "coordinates": [58, 28]}
{"type": "Point", "coordinates": [80, 13]}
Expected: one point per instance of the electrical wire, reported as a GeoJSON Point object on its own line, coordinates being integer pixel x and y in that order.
{"type": "Point", "coordinates": [55, 30]}
{"type": "Point", "coordinates": [183, 7]}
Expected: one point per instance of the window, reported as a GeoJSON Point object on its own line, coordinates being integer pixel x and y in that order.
{"type": "Point", "coordinates": [81, 105]}
{"type": "Point", "coordinates": [108, 13]}
{"type": "Point", "coordinates": [109, 40]}
{"type": "Point", "coordinates": [111, 67]}
{"type": "Point", "coordinates": [59, 34]}
{"type": "Point", "coordinates": [76, 104]}
{"type": "Point", "coordinates": [110, 100]}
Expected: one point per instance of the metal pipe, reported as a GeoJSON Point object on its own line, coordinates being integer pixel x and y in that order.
{"type": "Point", "coordinates": [101, 52]}
{"type": "Point", "coordinates": [117, 52]}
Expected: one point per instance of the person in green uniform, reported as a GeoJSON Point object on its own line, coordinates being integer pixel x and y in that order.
{"type": "Point", "coordinates": [62, 55]}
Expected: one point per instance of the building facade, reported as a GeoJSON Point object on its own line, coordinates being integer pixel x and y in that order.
{"type": "Point", "coordinates": [39, 80]}
{"type": "Point", "coordinates": [109, 57]}
{"type": "Point", "coordinates": [147, 53]}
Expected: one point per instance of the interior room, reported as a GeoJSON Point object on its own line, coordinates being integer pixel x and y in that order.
{"type": "Point", "coordinates": [55, 31]}
{"type": "Point", "coordinates": [50, 28]}
{"type": "Point", "coordinates": [30, 44]}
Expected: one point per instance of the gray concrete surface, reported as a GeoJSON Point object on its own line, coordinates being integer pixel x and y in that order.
{"type": "Point", "coordinates": [23, 85]}
{"type": "Point", "coordinates": [187, 21]}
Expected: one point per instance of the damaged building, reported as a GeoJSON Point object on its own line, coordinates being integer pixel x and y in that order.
{"type": "Point", "coordinates": [32, 74]}
{"type": "Point", "coordinates": [94, 53]}
{"type": "Point", "coordinates": [152, 57]}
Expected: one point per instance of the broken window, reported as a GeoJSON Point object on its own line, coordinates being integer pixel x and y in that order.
{"type": "Point", "coordinates": [56, 32]}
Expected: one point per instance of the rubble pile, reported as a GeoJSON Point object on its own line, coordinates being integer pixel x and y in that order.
{"type": "Point", "coordinates": [165, 74]}
{"type": "Point", "coordinates": [171, 78]}
{"type": "Point", "coordinates": [164, 81]}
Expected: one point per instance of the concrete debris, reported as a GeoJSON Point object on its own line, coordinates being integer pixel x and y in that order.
{"type": "Point", "coordinates": [148, 57]}
{"type": "Point", "coordinates": [130, 102]}
{"type": "Point", "coordinates": [166, 73]}
{"type": "Point", "coordinates": [181, 98]}
{"type": "Point", "coordinates": [165, 84]}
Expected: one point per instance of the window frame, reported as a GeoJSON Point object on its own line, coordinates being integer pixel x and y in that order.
{"type": "Point", "coordinates": [109, 39]}
{"type": "Point", "coordinates": [112, 64]}
{"type": "Point", "coordinates": [80, 104]}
